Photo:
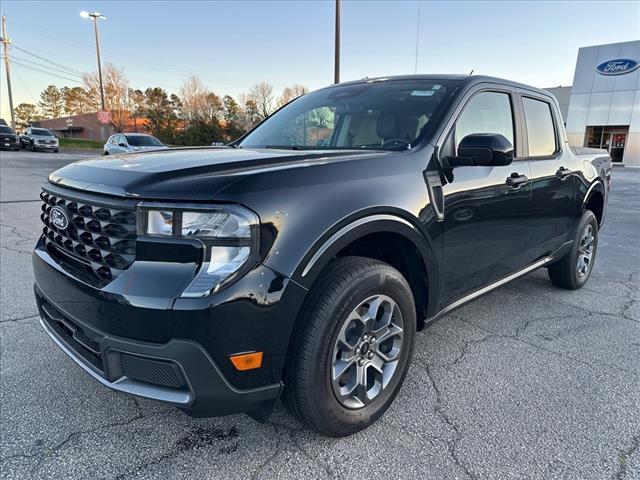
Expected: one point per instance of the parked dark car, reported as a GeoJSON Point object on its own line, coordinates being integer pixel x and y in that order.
{"type": "Point", "coordinates": [300, 261]}
{"type": "Point", "coordinates": [8, 139]}
{"type": "Point", "coordinates": [37, 138]}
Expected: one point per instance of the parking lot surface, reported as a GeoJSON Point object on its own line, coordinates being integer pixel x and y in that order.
{"type": "Point", "coordinates": [528, 382]}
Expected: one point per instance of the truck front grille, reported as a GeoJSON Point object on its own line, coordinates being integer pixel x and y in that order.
{"type": "Point", "coordinates": [100, 238]}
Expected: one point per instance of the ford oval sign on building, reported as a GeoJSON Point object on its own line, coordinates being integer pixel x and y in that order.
{"type": "Point", "coordinates": [619, 66]}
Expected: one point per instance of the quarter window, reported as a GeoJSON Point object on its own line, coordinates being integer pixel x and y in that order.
{"type": "Point", "coordinates": [541, 133]}
{"type": "Point", "coordinates": [487, 112]}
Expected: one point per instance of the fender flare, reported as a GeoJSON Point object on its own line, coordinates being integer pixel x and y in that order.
{"type": "Point", "coordinates": [596, 186]}
{"type": "Point", "coordinates": [358, 226]}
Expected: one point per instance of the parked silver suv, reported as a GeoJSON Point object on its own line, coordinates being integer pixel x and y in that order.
{"type": "Point", "coordinates": [131, 142]}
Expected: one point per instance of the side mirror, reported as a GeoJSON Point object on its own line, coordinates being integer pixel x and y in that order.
{"type": "Point", "coordinates": [483, 149]}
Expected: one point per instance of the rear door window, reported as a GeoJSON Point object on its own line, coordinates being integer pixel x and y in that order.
{"type": "Point", "coordinates": [541, 133]}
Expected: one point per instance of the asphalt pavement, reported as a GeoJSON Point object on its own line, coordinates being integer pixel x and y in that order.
{"type": "Point", "coordinates": [527, 382]}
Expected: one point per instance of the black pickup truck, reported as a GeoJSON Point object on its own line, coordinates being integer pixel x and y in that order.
{"type": "Point", "coordinates": [300, 261]}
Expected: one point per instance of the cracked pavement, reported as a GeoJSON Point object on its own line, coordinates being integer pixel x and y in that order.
{"type": "Point", "coordinates": [526, 382]}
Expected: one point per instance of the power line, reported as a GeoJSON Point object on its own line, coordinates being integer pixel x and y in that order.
{"type": "Point", "coordinates": [25, 87]}
{"type": "Point", "coordinates": [24, 65]}
{"type": "Point", "coordinates": [64, 67]}
{"type": "Point", "coordinates": [49, 67]}
{"type": "Point", "coordinates": [156, 65]}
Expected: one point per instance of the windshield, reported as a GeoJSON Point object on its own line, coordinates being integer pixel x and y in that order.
{"type": "Point", "coordinates": [5, 129]}
{"type": "Point", "coordinates": [388, 115]}
{"type": "Point", "coordinates": [42, 132]}
{"type": "Point", "coordinates": [143, 141]}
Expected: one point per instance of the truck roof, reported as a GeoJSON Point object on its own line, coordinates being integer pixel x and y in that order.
{"type": "Point", "coordinates": [467, 80]}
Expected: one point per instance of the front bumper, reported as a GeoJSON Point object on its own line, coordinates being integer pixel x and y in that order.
{"type": "Point", "coordinates": [46, 146]}
{"type": "Point", "coordinates": [136, 336]}
{"type": "Point", "coordinates": [9, 144]}
{"type": "Point", "coordinates": [179, 372]}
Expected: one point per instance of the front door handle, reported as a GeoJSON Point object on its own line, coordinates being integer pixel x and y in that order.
{"type": "Point", "coordinates": [515, 180]}
{"type": "Point", "coordinates": [563, 172]}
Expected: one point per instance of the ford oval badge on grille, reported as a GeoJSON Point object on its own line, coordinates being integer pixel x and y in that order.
{"type": "Point", "coordinates": [59, 218]}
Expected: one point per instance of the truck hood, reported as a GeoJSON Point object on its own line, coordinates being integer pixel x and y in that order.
{"type": "Point", "coordinates": [188, 173]}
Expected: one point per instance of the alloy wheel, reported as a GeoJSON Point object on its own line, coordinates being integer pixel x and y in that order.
{"type": "Point", "coordinates": [366, 353]}
{"type": "Point", "coordinates": [585, 251]}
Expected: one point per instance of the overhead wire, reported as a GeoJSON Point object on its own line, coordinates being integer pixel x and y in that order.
{"type": "Point", "coordinates": [161, 66]}
{"type": "Point", "coordinates": [24, 65]}
{"type": "Point", "coordinates": [48, 60]}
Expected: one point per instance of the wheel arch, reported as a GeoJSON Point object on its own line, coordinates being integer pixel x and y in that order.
{"type": "Point", "coordinates": [388, 237]}
{"type": "Point", "coordinates": [594, 200]}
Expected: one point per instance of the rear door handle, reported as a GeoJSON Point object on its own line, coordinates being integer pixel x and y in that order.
{"type": "Point", "coordinates": [515, 180]}
{"type": "Point", "coordinates": [563, 172]}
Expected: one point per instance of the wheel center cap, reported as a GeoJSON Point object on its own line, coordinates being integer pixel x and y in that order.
{"type": "Point", "coordinates": [364, 348]}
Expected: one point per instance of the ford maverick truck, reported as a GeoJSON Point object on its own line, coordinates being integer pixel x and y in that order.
{"type": "Point", "coordinates": [299, 262]}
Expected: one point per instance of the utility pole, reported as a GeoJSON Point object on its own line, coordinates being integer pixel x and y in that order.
{"type": "Point", "coordinates": [415, 68]}
{"type": "Point", "coordinates": [6, 41]}
{"type": "Point", "coordinates": [95, 28]}
{"type": "Point", "coordinates": [336, 71]}
{"type": "Point", "coordinates": [95, 17]}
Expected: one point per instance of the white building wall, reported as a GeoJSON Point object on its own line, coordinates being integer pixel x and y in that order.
{"type": "Point", "coordinates": [563, 95]}
{"type": "Point", "coordinates": [606, 100]}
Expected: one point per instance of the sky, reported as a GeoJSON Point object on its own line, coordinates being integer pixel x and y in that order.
{"type": "Point", "coordinates": [232, 45]}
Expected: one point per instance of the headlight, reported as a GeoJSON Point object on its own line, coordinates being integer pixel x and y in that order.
{"type": "Point", "coordinates": [229, 234]}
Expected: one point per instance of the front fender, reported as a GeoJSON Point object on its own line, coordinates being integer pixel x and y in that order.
{"type": "Point", "coordinates": [357, 226]}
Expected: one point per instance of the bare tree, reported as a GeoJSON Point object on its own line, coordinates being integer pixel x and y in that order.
{"type": "Point", "coordinates": [193, 95]}
{"type": "Point", "coordinates": [116, 94]}
{"type": "Point", "coordinates": [291, 93]}
{"type": "Point", "coordinates": [262, 95]}
{"type": "Point", "coordinates": [213, 108]}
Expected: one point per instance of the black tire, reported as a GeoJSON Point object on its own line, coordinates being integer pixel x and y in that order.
{"type": "Point", "coordinates": [33, 147]}
{"type": "Point", "coordinates": [55, 151]}
{"type": "Point", "coordinates": [341, 288]}
{"type": "Point", "coordinates": [565, 273]}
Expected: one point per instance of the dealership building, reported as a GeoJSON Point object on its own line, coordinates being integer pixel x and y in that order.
{"type": "Point", "coordinates": [602, 107]}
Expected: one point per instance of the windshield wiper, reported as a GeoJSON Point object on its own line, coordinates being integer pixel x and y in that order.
{"type": "Point", "coordinates": [285, 147]}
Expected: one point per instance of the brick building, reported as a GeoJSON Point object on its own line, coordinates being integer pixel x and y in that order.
{"type": "Point", "coordinates": [87, 127]}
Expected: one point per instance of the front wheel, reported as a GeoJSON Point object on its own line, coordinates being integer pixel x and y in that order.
{"type": "Point", "coordinates": [573, 271]}
{"type": "Point", "coordinates": [351, 351]}
{"type": "Point", "coordinates": [33, 147]}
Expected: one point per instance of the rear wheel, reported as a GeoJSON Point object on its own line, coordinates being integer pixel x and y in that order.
{"type": "Point", "coordinates": [573, 271]}
{"type": "Point", "coordinates": [351, 352]}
